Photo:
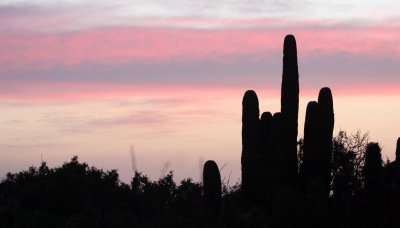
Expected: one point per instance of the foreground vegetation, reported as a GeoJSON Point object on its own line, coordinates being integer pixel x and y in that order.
{"type": "Point", "coordinates": [77, 195]}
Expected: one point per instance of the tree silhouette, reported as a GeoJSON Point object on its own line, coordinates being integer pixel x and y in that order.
{"type": "Point", "coordinates": [348, 159]}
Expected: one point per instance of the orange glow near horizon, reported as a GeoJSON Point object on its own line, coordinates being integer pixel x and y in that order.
{"type": "Point", "coordinates": [174, 91]}
{"type": "Point", "coordinates": [59, 92]}
{"type": "Point", "coordinates": [170, 127]}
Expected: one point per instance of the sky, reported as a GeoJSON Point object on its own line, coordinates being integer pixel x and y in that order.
{"type": "Point", "coordinates": [154, 86]}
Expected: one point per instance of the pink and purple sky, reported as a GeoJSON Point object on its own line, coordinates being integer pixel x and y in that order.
{"type": "Point", "coordinates": [92, 78]}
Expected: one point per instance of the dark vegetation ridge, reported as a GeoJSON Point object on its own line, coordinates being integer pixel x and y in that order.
{"type": "Point", "coordinates": [317, 181]}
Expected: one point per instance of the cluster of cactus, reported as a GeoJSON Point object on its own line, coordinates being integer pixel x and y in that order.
{"type": "Point", "coordinates": [269, 143]}
{"type": "Point", "coordinates": [269, 152]}
{"type": "Point", "coordinates": [318, 133]}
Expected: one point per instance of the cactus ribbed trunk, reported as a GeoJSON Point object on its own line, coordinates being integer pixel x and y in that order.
{"type": "Point", "coordinates": [373, 171]}
{"type": "Point", "coordinates": [250, 142]}
{"type": "Point", "coordinates": [325, 103]}
{"type": "Point", "coordinates": [266, 131]}
{"type": "Point", "coordinates": [277, 158]}
{"type": "Point", "coordinates": [264, 158]}
{"type": "Point", "coordinates": [290, 106]}
{"type": "Point", "coordinates": [311, 167]}
{"type": "Point", "coordinates": [212, 185]}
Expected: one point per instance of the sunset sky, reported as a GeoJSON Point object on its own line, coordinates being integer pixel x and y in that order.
{"type": "Point", "coordinates": [93, 78]}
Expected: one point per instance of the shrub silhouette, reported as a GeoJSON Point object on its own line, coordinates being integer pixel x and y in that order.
{"type": "Point", "coordinates": [341, 189]}
{"type": "Point", "coordinates": [71, 194]}
{"type": "Point", "coordinates": [348, 159]}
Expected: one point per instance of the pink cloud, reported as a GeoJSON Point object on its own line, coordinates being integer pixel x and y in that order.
{"type": "Point", "coordinates": [30, 93]}
{"type": "Point", "coordinates": [122, 45]}
{"type": "Point", "coordinates": [53, 92]}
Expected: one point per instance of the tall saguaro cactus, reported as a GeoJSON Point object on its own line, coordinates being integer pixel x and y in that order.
{"type": "Point", "coordinates": [325, 103]}
{"type": "Point", "coordinates": [250, 144]}
{"type": "Point", "coordinates": [311, 166]}
{"type": "Point", "coordinates": [290, 104]}
{"type": "Point", "coordinates": [372, 171]}
{"type": "Point", "coordinates": [212, 185]}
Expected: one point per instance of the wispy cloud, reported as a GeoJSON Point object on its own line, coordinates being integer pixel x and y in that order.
{"type": "Point", "coordinates": [63, 15]}
{"type": "Point", "coordinates": [116, 62]}
{"type": "Point", "coordinates": [134, 45]}
{"type": "Point", "coordinates": [14, 122]}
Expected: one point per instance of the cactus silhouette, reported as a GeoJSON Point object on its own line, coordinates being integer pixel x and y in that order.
{"type": "Point", "coordinates": [392, 170]}
{"type": "Point", "coordinates": [290, 105]}
{"type": "Point", "coordinates": [325, 102]}
{"type": "Point", "coordinates": [266, 133]}
{"type": "Point", "coordinates": [212, 185]}
{"type": "Point", "coordinates": [264, 158]}
{"type": "Point", "coordinates": [372, 171]}
{"type": "Point", "coordinates": [396, 165]}
{"type": "Point", "coordinates": [277, 158]}
{"type": "Point", "coordinates": [250, 141]}
{"type": "Point", "coordinates": [311, 167]}
{"type": "Point", "coordinates": [398, 150]}
{"type": "Point", "coordinates": [318, 131]}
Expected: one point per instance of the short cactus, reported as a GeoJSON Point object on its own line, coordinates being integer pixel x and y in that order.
{"type": "Point", "coordinates": [372, 171]}
{"type": "Point", "coordinates": [311, 167]}
{"type": "Point", "coordinates": [266, 133]}
{"type": "Point", "coordinates": [212, 185]}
